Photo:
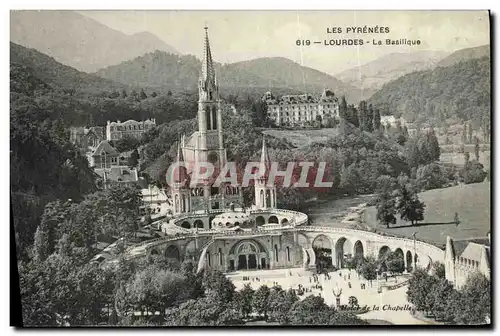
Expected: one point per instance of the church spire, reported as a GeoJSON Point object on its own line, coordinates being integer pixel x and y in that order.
{"type": "Point", "coordinates": [265, 162]}
{"type": "Point", "coordinates": [207, 66]}
{"type": "Point", "coordinates": [180, 173]}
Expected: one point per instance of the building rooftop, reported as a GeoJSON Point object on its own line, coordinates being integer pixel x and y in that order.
{"type": "Point", "coordinates": [117, 174]}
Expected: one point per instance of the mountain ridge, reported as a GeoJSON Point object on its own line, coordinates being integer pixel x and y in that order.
{"type": "Point", "coordinates": [79, 41]}
{"type": "Point", "coordinates": [162, 69]}
{"type": "Point", "coordinates": [373, 75]}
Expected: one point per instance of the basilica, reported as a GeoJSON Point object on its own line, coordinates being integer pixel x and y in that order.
{"type": "Point", "coordinates": [216, 213]}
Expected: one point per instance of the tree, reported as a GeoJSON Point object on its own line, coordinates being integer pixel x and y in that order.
{"type": "Point", "coordinates": [376, 120]}
{"type": "Point", "coordinates": [420, 290]}
{"type": "Point", "coordinates": [244, 298]}
{"type": "Point", "coordinates": [439, 270]}
{"type": "Point", "coordinates": [395, 263]}
{"type": "Point", "coordinates": [369, 119]}
{"type": "Point", "coordinates": [124, 94]}
{"type": "Point", "coordinates": [409, 206]}
{"type": "Point", "coordinates": [386, 209]}
{"type": "Point", "coordinates": [260, 301]}
{"type": "Point", "coordinates": [476, 148]}
{"type": "Point", "coordinates": [433, 146]}
{"type": "Point", "coordinates": [430, 177]}
{"type": "Point", "coordinates": [362, 116]}
{"type": "Point", "coordinates": [280, 303]}
{"type": "Point", "coordinates": [311, 311]}
{"type": "Point", "coordinates": [475, 303]}
{"type": "Point", "coordinates": [154, 94]}
{"type": "Point", "coordinates": [343, 108]}
{"type": "Point", "coordinates": [368, 270]}
{"type": "Point", "coordinates": [133, 160]}
{"type": "Point", "coordinates": [440, 296]}
{"type": "Point", "coordinates": [142, 95]}
{"type": "Point", "coordinates": [219, 287]}
{"type": "Point", "coordinates": [473, 172]}
{"type": "Point", "coordinates": [412, 153]}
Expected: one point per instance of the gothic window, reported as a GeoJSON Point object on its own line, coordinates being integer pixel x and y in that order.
{"type": "Point", "coordinates": [207, 118]}
{"type": "Point", "coordinates": [214, 118]}
{"type": "Point", "coordinates": [209, 95]}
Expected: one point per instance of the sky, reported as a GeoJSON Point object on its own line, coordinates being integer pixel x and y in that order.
{"type": "Point", "coordinates": [242, 35]}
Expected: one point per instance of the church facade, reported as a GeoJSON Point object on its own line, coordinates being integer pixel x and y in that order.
{"type": "Point", "coordinates": [205, 207]}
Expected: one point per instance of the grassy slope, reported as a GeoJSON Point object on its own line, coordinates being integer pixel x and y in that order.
{"type": "Point", "coordinates": [302, 138]}
{"type": "Point", "coordinates": [472, 202]}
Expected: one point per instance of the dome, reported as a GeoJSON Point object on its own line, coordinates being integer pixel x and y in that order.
{"type": "Point", "coordinates": [232, 219]}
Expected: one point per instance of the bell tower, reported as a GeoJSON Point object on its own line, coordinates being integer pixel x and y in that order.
{"type": "Point", "coordinates": [265, 195]}
{"type": "Point", "coordinates": [211, 144]}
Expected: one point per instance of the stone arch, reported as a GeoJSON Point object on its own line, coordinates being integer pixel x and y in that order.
{"type": "Point", "coordinates": [409, 261]}
{"type": "Point", "coordinates": [383, 251]}
{"type": "Point", "coordinates": [260, 220]}
{"type": "Point", "coordinates": [190, 249]}
{"type": "Point", "coordinates": [343, 248]}
{"type": "Point", "coordinates": [186, 225]}
{"type": "Point", "coordinates": [322, 247]}
{"type": "Point", "coordinates": [399, 253]}
{"type": "Point", "coordinates": [358, 250]}
{"type": "Point", "coordinates": [302, 240]}
{"type": "Point", "coordinates": [198, 224]}
{"type": "Point", "coordinates": [249, 254]}
{"type": "Point", "coordinates": [284, 221]}
{"type": "Point", "coordinates": [273, 220]}
{"type": "Point", "coordinates": [172, 252]}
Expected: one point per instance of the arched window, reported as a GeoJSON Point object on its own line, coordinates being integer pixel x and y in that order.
{"type": "Point", "coordinates": [214, 118]}
{"type": "Point", "coordinates": [207, 118]}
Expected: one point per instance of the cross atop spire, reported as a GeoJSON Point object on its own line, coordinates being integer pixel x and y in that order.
{"type": "Point", "coordinates": [207, 66]}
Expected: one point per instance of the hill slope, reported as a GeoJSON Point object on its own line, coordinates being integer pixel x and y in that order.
{"type": "Point", "coordinates": [79, 41]}
{"type": "Point", "coordinates": [160, 69]}
{"type": "Point", "coordinates": [461, 90]}
{"type": "Point", "coordinates": [465, 54]}
{"type": "Point", "coordinates": [56, 74]}
{"type": "Point", "coordinates": [373, 75]}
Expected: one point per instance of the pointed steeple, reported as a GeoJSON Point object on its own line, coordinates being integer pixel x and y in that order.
{"type": "Point", "coordinates": [180, 172]}
{"type": "Point", "coordinates": [265, 162]}
{"type": "Point", "coordinates": [207, 66]}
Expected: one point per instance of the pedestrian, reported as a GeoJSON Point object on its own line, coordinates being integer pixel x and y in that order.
{"type": "Point", "coordinates": [348, 277]}
{"type": "Point", "coordinates": [349, 284]}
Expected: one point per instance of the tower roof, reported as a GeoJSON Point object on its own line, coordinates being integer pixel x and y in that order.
{"type": "Point", "coordinates": [265, 162]}
{"type": "Point", "coordinates": [207, 66]}
{"type": "Point", "coordinates": [180, 172]}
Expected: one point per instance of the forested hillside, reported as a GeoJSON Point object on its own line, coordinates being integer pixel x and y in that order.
{"type": "Point", "coordinates": [459, 91]}
{"type": "Point", "coordinates": [254, 77]}
{"type": "Point", "coordinates": [465, 55]}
